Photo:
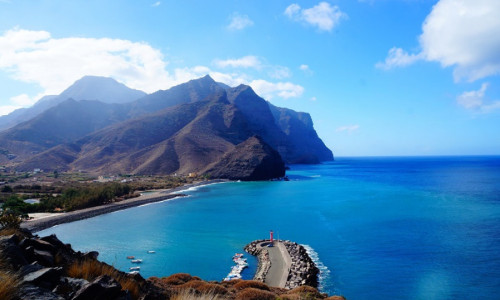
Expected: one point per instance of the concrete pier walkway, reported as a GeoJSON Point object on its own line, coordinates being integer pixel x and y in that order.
{"type": "Point", "coordinates": [280, 265]}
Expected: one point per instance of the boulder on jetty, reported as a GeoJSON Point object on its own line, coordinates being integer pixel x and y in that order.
{"type": "Point", "coordinates": [303, 270]}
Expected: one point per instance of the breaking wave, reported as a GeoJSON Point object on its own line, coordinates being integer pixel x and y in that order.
{"type": "Point", "coordinates": [324, 272]}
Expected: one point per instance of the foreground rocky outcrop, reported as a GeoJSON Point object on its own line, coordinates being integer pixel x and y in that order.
{"type": "Point", "coordinates": [47, 269]}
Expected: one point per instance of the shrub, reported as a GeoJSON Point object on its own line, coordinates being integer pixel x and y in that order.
{"type": "Point", "coordinates": [178, 279]}
{"type": "Point", "coordinates": [255, 294]}
{"type": "Point", "coordinates": [193, 284]}
{"type": "Point", "coordinates": [251, 284]}
{"type": "Point", "coordinates": [306, 292]}
{"type": "Point", "coordinates": [9, 221]}
{"type": "Point", "coordinates": [336, 298]}
{"type": "Point", "coordinates": [91, 269]}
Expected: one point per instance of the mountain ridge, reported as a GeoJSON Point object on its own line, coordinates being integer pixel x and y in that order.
{"type": "Point", "coordinates": [192, 127]}
{"type": "Point", "coordinates": [104, 89]}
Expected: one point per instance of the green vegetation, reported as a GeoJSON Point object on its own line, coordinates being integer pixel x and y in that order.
{"type": "Point", "coordinates": [70, 191]}
{"type": "Point", "coordinates": [70, 199]}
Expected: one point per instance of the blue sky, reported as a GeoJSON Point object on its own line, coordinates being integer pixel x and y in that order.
{"type": "Point", "coordinates": [379, 77]}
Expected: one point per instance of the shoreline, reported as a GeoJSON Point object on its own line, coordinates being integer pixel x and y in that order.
{"type": "Point", "coordinates": [39, 224]}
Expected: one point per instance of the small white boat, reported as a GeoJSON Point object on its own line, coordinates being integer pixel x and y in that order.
{"type": "Point", "coordinates": [133, 272]}
{"type": "Point", "coordinates": [134, 268]}
{"type": "Point", "coordinates": [136, 261]}
{"type": "Point", "coordinates": [151, 251]}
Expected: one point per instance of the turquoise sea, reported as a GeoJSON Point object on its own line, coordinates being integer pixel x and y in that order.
{"type": "Point", "coordinates": [379, 228]}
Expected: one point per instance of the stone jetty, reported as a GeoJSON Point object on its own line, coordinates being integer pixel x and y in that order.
{"type": "Point", "coordinates": [298, 268]}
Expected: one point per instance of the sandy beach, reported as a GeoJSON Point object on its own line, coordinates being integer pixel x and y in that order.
{"type": "Point", "coordinates": [42, 221]}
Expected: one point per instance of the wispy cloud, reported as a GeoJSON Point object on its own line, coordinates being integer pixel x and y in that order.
{"type": "Point", "coordinates": [347, 128]}
{"type": "Point", "coordinates": [157, 3]}
{"type": "Point", "coordinates": [248, 61]}
{"type": "Point", "coordinates": [305, 68]}
{"type": "Point", "coordinates": [475, 100]}
{"type": "Point", "coordinates": [239, 22]}
{"type": "Point", "coordinates": [324, 16]}
{"type": "Point", "coordinates": [462, 34]}
{"type": "Point", "coordinates": [279, 72]}
{"type": "Point", "coordinates": [397, 57]}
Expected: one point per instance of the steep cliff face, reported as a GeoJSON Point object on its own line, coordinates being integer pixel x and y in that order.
{"type": "Point", "coordinates": [304, 144]}
{"type": "Point", "coordinates": [252, 159]}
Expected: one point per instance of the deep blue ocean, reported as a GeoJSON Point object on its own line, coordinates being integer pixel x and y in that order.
{"type": "Point", "coordinates": [380, 228]}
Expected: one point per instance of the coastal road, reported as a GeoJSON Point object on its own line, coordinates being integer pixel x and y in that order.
{"type": "Point", "coordinates": [156, 196]}
{"type": "Point", "coordinates": [280, 265]}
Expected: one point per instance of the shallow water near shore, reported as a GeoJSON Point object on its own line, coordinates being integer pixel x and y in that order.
{"type": "Point", "coordinates": [381, 228]}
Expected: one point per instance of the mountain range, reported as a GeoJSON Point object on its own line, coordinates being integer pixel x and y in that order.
{"type": "Point", "coordinates": [202, 126]}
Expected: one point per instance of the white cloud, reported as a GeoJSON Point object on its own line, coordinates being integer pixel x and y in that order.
{"type": "Point", "coordinates": [239, 22]}
{"type": "Point", "coordinates": [269, 90]}
{"type": "Point", "coordinates": [24, 100]}
{"type": "Point", "coordinates": [7, 109]}
{"type": "Point", "coordinates": [55, 63]}
{"type": "Point", "coordinates": [313, 99]}
{"type": "Point", "coordinates": [463, 34]}
{"type": "Point", "coordinates": [397, 57]}
{"type": "Point", "coordinates": [474, 100]}
{"type": "Point", "coordinates": [157, 3]}
{"type": "Point", "coordinates": [248, 61]}
{"type": "Point", "coordinates": [347, 128]}
{"type": "Point", "coordinates": [323, 15]}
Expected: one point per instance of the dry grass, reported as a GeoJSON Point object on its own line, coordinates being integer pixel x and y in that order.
{"type": "Point", "coordinates": [9, 281]}
{"type": "Point", "coordinates": [91, 269]}
{"type": "Point", "coordinates": [306, 292]}
{"type": "Point", "coordinates": [255, 294]}
{"type": "Point", "coordinates": [11, 231]}
{"type": "Point", "coordinates": [251, 284]}
{"type": "Point", "coordinates": [9, 285]}
{"type": "Point", "coordinates": [212, 288]}
{"type": "Point", "coordinates": [192, 295]}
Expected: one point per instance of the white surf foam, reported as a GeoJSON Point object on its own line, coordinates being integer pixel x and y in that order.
{"type": "Point", "coordinates": [324, 272]}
